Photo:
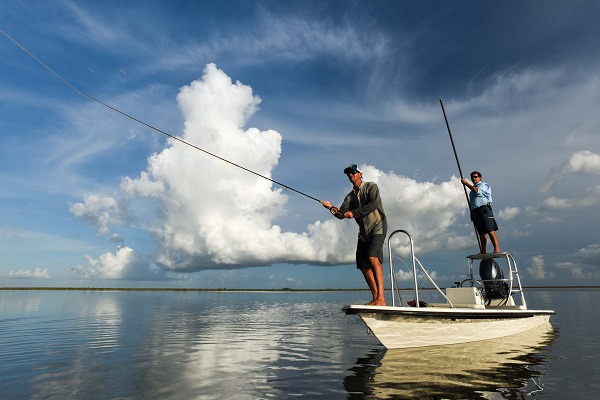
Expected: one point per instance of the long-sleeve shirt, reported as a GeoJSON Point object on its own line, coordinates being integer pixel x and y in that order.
{"type": "Point", "coordinates": [367, 208]}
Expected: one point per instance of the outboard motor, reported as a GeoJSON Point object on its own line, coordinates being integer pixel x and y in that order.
{"type": "Point", "coordinates": [492, 276]}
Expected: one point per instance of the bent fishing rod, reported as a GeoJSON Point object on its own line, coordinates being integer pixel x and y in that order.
{"type": "Point", "coordinates": [459, 169]}
{"type": "Point", "coordinates": [150, 126]}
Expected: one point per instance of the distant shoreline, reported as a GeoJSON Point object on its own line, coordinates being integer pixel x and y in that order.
{"type": "Point", "coordinates": [112, 289]}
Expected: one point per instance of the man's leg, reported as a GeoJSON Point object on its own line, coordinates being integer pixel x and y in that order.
{"type": "Point", "coordinates": [494, 240]}
{"type": "Point", "coordinates": [371, 282]}
{"type": "Point", "coordinates": [483, 243]}
{"type": "Point", "coordinates": [379, 293]}
{"type": "Point", "coordinates": [367, 257]}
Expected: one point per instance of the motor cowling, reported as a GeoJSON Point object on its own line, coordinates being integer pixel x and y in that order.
{"type": "Point", "coordinates": [493, 279]}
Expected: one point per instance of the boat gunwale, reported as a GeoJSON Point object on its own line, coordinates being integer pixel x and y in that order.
{"type": "Point", "coordinates": [469, 313]}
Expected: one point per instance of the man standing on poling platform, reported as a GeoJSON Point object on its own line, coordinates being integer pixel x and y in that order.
{"type": "Point", "coordinates": [480, 202]}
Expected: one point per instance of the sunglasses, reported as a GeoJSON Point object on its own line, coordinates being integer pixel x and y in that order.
{"type": "Point", "coordinates": [475, 176]}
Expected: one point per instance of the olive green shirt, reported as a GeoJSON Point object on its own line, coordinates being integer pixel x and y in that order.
{"type": "Point", "coordinates": [367, 208]}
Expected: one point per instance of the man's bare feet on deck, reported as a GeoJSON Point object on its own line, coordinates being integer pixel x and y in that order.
{"type": "Point", "coordinates": [376, 303]}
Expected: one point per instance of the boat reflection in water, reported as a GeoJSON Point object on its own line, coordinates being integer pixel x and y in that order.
{"type": "Point", "coordinates": [498, 368]}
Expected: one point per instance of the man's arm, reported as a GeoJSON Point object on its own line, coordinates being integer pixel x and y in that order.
{"type": "Point", "coordinates": [338, 212]}
{"type": "Point", "coordinates": [467, 184]}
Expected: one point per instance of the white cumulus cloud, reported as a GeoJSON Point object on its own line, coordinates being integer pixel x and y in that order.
{"type": "Point", "coordinates": [35, 273]}
{"type": "Point", "coordinates": [589, 255]}
{"type": "Point", "coordinates": [100, 211]}
{"type": "Point", "coordinates": [588, 198]}
{"type": "Point", "coordinates": [125, 263]}
{"type": "Point", "coordinates": [509, 213]}
{"type": "Point", "coordinates": [580, 162]}
{"type": "Point", "coordinates": [538, 270]}
{"type": "Point", "coordinates": [212, 214]}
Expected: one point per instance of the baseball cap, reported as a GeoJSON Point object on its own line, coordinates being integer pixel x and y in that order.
{"type": "Point", "coordinates": [352, 168]}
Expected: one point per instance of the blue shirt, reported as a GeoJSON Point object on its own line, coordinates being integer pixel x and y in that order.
{"type": "Point", "coordinates": [482, 196]}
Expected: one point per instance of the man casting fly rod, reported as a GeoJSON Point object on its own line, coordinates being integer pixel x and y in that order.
{"type": "Point", "coordinates": [363, 203]}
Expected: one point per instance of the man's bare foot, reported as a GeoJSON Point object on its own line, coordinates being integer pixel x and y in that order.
{"type": "Point", "coordinates": [376, 303]}
{"type": "Point", "coordinates": [497, 251]}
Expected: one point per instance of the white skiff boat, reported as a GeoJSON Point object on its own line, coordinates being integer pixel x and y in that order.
{"type": "Point", "coordinates": [476, 309]}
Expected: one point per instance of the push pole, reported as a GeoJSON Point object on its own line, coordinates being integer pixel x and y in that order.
{"type": "Point", "coordinates": [459, 170]}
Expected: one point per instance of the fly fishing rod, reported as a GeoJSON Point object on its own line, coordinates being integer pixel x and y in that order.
{"type": "Point", "coordinates": [150, 126]}
{"type": "Point", "coordinates": [459, 169]}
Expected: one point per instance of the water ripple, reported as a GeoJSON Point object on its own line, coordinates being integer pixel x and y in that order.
{"type": "Point", "coordinates": [196, 345]}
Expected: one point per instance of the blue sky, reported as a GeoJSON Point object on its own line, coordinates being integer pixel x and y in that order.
{"type": "Point", "coordinates": [296, 91]}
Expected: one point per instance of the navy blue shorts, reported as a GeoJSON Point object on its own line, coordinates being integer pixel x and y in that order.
{"type": "Point", "coordinates": [373, 247]}
{"type": "Point", "coordinates": [484, 220]}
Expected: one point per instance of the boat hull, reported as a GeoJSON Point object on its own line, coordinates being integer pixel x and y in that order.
{"type": "Point", "coordinates": [406, 327]}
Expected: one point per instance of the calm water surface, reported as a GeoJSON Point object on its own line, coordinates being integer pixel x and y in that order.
{"type": "Point", "coordinates": [274, 345]}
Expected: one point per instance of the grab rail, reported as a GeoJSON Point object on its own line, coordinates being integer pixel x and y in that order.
{"type": "Point", "coordinates": [414, 266]}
